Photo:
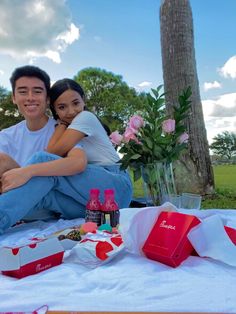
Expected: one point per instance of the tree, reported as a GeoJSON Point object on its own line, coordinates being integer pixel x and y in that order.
{"type": "Point", "coordinates": [9, 114]}
{"type": "Point", "coordinates": [108, 96]}
{"type": "Point", "coordinates": [224, 145]}
{"type": "Point", "coordinates": [194, 172]}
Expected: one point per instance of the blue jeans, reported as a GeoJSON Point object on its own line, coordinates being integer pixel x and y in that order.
{"type": "Point", "coordinates": [66, 195]}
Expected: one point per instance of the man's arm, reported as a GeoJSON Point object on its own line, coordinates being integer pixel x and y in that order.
{"type": "Point", "coordinates": [75, 162]}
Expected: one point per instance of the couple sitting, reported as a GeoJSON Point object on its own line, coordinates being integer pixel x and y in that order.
{"type": "Point", "coordinates": [52, 164]}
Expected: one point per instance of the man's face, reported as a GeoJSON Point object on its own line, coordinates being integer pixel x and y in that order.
{"type": "Point", "coordinates": [30, 96]}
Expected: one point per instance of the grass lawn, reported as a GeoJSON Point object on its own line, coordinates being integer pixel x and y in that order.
{"type": "Point", "coordinates": [225, 177]}
{"type": "Point", "coordinates": [225, 183]}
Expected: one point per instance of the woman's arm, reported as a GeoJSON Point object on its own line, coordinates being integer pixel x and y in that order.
{"type": "Point", "coordinates": [75, 162]}
{"type": "Point", "coordinates": [63, 140]}
{"type": "Point", "coordinates": [57, 134]}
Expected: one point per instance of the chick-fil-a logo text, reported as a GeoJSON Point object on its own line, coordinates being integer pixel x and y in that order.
{"type": "Point", "coordinates": [164, 225]}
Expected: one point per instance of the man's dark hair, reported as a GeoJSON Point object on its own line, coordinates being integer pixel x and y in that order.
{"type": "Point", "coordinates": [30, 71]}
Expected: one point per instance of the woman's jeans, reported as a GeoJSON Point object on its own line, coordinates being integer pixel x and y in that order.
{"type": "Point", "coordinates": [66, 195]}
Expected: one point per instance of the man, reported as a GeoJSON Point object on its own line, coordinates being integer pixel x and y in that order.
{"type": "Point", "coordinates": [30, 93]}
{"type": "Point", "coordinates": [30, 88]}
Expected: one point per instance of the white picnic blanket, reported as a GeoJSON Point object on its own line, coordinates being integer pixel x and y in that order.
{"type": "Point", "coordinates": [130, 282]}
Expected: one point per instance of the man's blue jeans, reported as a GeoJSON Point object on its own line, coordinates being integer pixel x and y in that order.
{"type": "Point", "coordinates": [66, 195]}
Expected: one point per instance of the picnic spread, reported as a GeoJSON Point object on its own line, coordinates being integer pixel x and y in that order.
{"type": "Point", "coordinates": [159, 259]}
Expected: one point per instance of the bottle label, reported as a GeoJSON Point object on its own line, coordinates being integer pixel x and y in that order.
{"type": "Point", "coordinates": [108, 219]}
{"type": "Point", "coordinates": [111, 218]}
{"type": "Point", "coordinates": [93, 216]}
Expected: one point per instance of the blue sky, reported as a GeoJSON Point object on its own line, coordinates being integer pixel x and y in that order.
{"type": "Point", "coordinates": [122, 36]}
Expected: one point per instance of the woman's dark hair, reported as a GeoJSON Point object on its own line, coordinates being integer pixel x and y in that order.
{"type": "Point", "coordinates": [59, 88]}
{"type": "Point", "coordinates": [63, 85]}
{"type": "Point", "coordinates": [30, 71]}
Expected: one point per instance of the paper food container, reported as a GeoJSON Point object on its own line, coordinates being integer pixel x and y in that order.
{"type": "Point", "coordinates": [97, 248]}
{"type": "Point", "coordinates": [168, 242]}
{"type": "Point", "coordinates": [36, 256]}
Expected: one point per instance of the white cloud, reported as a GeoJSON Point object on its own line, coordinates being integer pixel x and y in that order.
{"type": "Point", "coordinates": [219, 114]}
{"type": "Point", "coordinates": [50, 54]}
{"type": "Point", "coordinates": [53, 55]}
{"type": "Point", "coordinates": [69, 36]}
{"type": "Point", "coordinates": [2, 32]}
{"type": "Point", "coordinates": [40, 28]}
{"type": "Point", "coordinates": [1, 72]}
{"type": "Point", "coordinates": [145, 84]}
{"type": "Point", "coordinates": [229, 68]}
{"type": "Point", "coordinates": [211, 85]}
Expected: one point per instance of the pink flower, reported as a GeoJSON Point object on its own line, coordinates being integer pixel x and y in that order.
{"type": "Point", "coordinates": [116, 138]}
{"type": "Point", "coordinates": [168, 126]}
{"type": "Point", "coordinates": [130, 135]}
{"type": "Point", "coordinates": [136, 122]}
{"type": "Point", "coordinates": [183, 138]}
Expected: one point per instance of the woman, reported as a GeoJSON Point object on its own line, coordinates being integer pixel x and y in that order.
{"type": "Point", "coordinates": [60, 184]}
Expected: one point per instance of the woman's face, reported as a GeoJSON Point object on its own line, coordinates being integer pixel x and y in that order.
{"type": "Point", "coordinates": [68, 105]}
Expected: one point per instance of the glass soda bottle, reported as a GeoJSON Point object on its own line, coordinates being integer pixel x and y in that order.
{"type": "Point", "coordinates": [110, 209]}
{"type": "Point", "coordinates": [93, 207]}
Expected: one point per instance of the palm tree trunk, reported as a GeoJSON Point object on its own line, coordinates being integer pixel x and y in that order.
{"type": "Point", "coordinates": [194, 171]}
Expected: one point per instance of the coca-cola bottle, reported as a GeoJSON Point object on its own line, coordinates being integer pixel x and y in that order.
{"type": "Point", "coordinates": [110, 209]}
{"type": "Point", "coordinates": [93, 208]}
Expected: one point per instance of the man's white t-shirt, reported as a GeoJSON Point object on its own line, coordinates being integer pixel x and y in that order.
{"type": "Point", "coordinates": [96, 144]}
{"type": "Point", "coordinates": [20, 143]}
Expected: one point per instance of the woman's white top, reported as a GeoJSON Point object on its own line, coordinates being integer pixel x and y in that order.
{"type": "Point", "coordinates": [96, 143]}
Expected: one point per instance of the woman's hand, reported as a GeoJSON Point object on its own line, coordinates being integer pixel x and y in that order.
{"type": "Point", "coordinates": [14, 178]}
{"type": "Point", "coordinates": [65, 123]}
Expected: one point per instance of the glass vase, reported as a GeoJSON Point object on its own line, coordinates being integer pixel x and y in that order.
{"type": "Point", "coordinates": [158, 182]}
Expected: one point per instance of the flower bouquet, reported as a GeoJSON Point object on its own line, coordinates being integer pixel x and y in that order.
{"type": "Point", "coordinates": [152, 140]}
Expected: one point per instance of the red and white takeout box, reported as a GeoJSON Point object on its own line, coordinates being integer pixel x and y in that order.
{"type": "Point", "coordinates": [168, 242]}
{"type": "Point", "coordinates": [36, 256]}
{"type": "Point", "coordinates": [231, 232]}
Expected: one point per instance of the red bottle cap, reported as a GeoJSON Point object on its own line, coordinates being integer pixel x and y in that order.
{"type": "Point", "coordinates": [95, 192]}
{"type": "Point", "coordinates": [93, 202]}
{"type": "Point", "coordinates": [109, 202]}
{"type": "Point", "coordinates": [109, 192]}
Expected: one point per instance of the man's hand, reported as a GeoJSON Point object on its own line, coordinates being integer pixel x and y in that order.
{"type": "Point", "coordinates": [14, 178]}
